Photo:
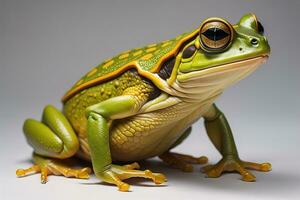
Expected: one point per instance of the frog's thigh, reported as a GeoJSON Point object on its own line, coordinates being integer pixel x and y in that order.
{"type": "Point", "coordinates": [51, 138]}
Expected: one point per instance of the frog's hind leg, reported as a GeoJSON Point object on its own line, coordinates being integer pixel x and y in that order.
{"type": "Point", "coordinates": [53, 141]}
{"type": "Point", "coordinates": [182, 161]}
{"type": "Point", "coordinates": [51, 166]}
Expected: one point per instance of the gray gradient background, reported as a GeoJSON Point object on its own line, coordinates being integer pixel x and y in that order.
{"type": "Point", "coordinates": [45, 46]}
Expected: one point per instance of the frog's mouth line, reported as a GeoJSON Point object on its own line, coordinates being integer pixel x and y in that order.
{"type": "Point", "coordinates": [251, 64]}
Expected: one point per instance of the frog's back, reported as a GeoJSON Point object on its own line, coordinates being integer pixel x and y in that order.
{"type": "Point", "coordinates": [148, 58]}
{"type": "Point", "coordinates": [113, 76]}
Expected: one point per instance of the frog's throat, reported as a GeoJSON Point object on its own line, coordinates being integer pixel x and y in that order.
{"type": "Point", "coordinates": [199, 85]}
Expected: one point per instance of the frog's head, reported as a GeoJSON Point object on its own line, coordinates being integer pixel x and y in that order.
{"type": "Point", "coordinates": [222, 53]}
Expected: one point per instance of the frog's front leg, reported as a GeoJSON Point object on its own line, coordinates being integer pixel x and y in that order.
{"type": "Point", "coordinates": [220, 134]}
{"type": "Point", "coordinates": [98, 139]}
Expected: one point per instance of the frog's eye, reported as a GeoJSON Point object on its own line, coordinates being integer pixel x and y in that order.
{"type": "Point", "coordinates": [215, 35]}
{"type": "Point", "coordinates": [260, 28]}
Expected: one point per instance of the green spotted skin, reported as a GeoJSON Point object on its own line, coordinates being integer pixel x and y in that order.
{"type": "Point", "coordinates": [75, 107]}
{"type": "Point", "coordinates": [147, 58]}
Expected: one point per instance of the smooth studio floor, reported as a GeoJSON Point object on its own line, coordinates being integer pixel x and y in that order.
{"type": "Point", "coordinates": [281, 183]}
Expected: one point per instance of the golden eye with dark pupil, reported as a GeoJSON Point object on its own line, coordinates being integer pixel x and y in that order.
{"type": "Point", "coordinates": [189, 51]}
{"type": "Point", "coordinates": [215, 35]}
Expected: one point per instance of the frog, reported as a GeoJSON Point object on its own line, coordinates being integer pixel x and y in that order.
{"type": "Point", "coordinates": [142, 103]}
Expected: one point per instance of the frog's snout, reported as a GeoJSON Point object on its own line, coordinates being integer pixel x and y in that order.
{"type": "Point", "coordinates": [252, 30]}
{"type": "Point", "coordinates": [261, 41]}
{"type": "Point", "coordinates": [259, 45]}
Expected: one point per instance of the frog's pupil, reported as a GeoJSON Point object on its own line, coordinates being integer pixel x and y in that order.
{"type": "Point", "coordinates": [215, 34]}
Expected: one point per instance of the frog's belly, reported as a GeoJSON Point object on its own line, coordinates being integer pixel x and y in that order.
{"type": "Point", "coordinates": [149, 134]}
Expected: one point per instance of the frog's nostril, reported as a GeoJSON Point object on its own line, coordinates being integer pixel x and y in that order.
{"type": "Point", "coordinates": [254, 41]}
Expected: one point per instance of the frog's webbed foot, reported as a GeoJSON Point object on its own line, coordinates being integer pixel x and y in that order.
{"type": "Point", "coordinates": [230, 163]}
{"type": "Point", "coordinates": [47, 166]}
{"type": "Point", "coordinates": [115, 174]}
{"type": "Point", "coordinates": [182, 161]}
